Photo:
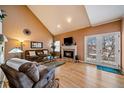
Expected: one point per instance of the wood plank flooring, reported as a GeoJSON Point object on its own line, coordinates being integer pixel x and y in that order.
{"type": "Point", "coordinates": [80, 75]}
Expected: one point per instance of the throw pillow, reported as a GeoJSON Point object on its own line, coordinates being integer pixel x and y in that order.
{"type": "Point", "coordinates": [45, 52]}
{"type": "Point", "coordinates": [39, 53]}
{"type": "Point", "coordinates": [32, 53]}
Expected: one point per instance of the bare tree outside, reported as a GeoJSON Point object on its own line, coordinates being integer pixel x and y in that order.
{"type": "Point", "coordinates": [108, 49]}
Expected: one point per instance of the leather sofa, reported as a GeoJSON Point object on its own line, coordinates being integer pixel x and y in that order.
{"type": "Point", "coordinates": [37, 55]}
{"type": "Point", "coordinates": [18, 79]}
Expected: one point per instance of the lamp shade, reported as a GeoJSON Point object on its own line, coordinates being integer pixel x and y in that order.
{"type": "Point", "coordinates": [15, 50]}
{"type": "Point", "coordinates": [5, 39]}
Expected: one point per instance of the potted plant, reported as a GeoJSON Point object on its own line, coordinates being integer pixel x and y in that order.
{"type": "Point", "coordinates": [53, 48]}
{"type": "Point", "coordinates": [2, 15]}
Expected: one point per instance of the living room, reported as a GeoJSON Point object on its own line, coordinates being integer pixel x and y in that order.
{"type": "Point", "coordinates": [71, 35]}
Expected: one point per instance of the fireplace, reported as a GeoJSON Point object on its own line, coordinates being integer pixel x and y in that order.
{"type": "Point", "coordinates": [69, 54]}
{"type": "Point", "coordinates": [69, 51]}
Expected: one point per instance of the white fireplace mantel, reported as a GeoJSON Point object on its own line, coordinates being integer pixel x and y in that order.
{"type": "Point", "coordinates": [69, 48]}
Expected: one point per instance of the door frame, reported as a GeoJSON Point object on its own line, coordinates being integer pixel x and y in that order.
{"type": "Point", "coordinates": [118, 49]}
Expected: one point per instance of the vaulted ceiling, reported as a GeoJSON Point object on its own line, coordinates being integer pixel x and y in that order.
{"type": "Point", "coordinates": [64, 18]}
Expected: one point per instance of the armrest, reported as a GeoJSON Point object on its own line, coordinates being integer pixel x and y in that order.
{"type": "Point", "coordinates": [51, 74]}
{"type": "Point", "coordinates": [41, 84]}
{"type": "Point", "coordinates": [46, 73]}
{"type": "Point", "coordinates": [16, 78]}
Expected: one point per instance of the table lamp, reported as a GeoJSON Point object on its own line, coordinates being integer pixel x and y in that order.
{"type": "Point", "coordinates": [16, 51]}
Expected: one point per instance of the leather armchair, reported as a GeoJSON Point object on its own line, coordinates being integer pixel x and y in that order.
{"type": "Point", "coordinates": [19, 79]}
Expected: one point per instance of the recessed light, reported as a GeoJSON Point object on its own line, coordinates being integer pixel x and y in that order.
{"type": "Point", "coordinates": [58, 26]}
{"type": "Point", "coordinates": [69, 20]}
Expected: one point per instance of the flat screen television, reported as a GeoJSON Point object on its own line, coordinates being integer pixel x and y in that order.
{"type": "Point", "coordinates": [68, 41]}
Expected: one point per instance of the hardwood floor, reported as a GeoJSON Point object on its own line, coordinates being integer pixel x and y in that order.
{"type": "Point", "coordinates": [80, 75]}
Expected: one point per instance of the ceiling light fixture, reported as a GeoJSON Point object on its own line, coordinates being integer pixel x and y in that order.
{"type": "Point", "coordinates": [69, 20]}
{"type": "Point", "coordinates": [58, 26]}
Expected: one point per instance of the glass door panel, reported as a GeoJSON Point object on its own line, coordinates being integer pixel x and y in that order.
{"type": "Point", "coordinates": [91, 53]}
{"type": "Point", "coordinates": [108, 49]}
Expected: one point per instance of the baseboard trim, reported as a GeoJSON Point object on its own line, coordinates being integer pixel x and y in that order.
{"type": "Point", "coordinates": [81, 61]}
{"type": "Point", "coordinates": [122, 71]}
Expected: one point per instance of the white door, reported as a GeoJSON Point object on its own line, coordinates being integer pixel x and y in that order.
{"type": "Point", "coordinates": [103, 49]}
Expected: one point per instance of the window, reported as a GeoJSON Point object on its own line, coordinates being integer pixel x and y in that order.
{"type": "Point", "coordinates": [57, 46]}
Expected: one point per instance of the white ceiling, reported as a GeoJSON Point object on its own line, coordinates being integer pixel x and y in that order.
{"type": "Point", "coordinates": [51, 16]}
{"type": "Point", "coordinates": [55, 17]}
{"type": "Point", "coordinates": [100, 14]}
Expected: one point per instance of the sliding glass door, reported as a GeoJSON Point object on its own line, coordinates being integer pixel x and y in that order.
{"type": "Point", "coordinates": [103, 49]}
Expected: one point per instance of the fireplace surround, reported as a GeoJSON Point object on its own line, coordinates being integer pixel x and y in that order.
{"type": "Point", "coordinates": [69, 51]}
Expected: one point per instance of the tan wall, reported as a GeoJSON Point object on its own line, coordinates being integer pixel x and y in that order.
{"type": "Point", "coordinates": [123, 44]}
{"type": "Point", "coordinates": [18, 18]}
{"type": "Point", "coordinates": [80, 34]}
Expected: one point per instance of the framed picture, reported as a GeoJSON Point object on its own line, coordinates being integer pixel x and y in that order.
{"type": "Point", "coordinates": [35, 44]}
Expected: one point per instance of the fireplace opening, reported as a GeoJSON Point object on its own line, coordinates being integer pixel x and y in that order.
{"type": "Point", "coordinates": [69, 54]}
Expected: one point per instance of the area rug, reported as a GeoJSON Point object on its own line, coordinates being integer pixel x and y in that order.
{"type": "Point", "coordinates": [109, 69]}
{"type": "Point", "coordinates": [55, 64]}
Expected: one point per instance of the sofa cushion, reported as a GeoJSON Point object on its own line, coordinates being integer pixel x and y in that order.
{"type": "Point", "coordinates": [31, 70]}
{"type": "Point", "coordinates": [39, 53]}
